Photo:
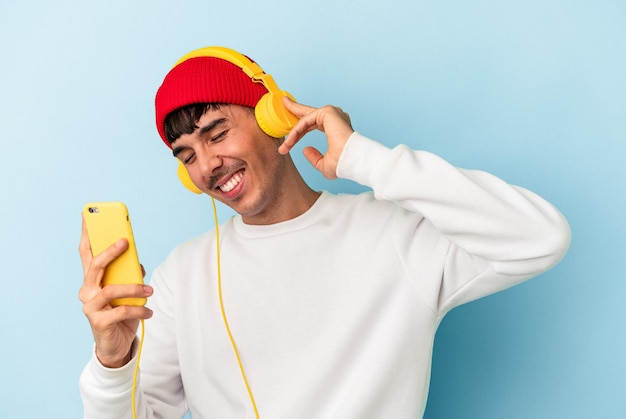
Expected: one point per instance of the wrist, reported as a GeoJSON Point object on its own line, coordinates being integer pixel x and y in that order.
{"type": "Point", "coordinates": [113, 361]}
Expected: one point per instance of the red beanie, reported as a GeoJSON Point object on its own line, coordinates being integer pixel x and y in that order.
{"type": "Point", "coordinates": [204, 80]}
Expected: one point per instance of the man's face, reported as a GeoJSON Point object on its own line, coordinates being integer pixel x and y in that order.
{"type": "Point", "coordinates": [231, 159]}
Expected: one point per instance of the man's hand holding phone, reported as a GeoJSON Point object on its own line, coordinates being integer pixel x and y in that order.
{"type": "Point", "coordinates": [113, 321]}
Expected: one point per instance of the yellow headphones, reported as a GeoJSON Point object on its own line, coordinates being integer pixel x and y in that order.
{"type": "Point", "coordinates": [271, 115]}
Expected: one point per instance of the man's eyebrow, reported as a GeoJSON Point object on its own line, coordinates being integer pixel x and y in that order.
{"type": "Point", "coordinates": [201, 131]}
{"type": "Point", "coordinates": [210, 126]}
{"type": "Point", "coordinates": [176, 151]}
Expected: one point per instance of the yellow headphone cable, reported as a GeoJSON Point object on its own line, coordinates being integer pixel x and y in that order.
{"type": "Point", "coordinates": [223, 311]}
{"type": "Point", "coordinates": [136, 373]}
{"type": "Point", "coordinates": [219, 290]}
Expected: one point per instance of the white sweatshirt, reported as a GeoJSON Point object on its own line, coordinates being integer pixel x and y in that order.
{"type": "Point", "coordinates": [334, 312]}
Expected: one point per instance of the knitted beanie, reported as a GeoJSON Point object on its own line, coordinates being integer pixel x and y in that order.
{"type": "Point", "coordinates": [204, 80]}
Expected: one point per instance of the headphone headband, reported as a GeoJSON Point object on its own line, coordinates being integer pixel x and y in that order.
{"type": "Point", "coordinates": [249, 67]}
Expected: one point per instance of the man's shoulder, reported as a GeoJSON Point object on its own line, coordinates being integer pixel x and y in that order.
{"type": "Point", "coordinates": [346, 198]}
{"type": "Point", "coordinates": [352, 204]}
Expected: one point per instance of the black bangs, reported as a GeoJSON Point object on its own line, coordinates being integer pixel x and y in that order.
{"type": "Point", "coordinates": [185, 120]}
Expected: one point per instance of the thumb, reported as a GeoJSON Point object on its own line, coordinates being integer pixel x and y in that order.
{"type": "Point", "coordinates": [318, 161]}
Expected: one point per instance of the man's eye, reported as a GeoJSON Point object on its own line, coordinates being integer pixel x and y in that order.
{"type": "Point", "coordinates": [219, 136]}
{"type": "Point", "coordinates": [188, 158]}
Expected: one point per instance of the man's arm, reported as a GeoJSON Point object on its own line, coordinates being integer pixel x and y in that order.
{"type": "Point", "coordinates": [512, 233]}
{"type": "Point", "coordinates": [517, 233]}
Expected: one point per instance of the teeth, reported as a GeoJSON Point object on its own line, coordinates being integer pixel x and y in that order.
{"type": "Point", "coordinates": [234, 181]}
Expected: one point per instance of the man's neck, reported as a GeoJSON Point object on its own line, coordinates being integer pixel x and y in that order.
{"type": "Point", "coordinates": [294, 199]}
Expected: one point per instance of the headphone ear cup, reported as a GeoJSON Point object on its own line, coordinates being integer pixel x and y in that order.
{"type": "Point", "coordinates": [272, 116]}
{"type": "Point", "coordinates": [185, 179]}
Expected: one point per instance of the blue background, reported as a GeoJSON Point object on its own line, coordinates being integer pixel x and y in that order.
{"type": "Point", "coordinates": [532, 91]}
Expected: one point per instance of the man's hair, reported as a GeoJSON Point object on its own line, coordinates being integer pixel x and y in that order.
{"type": "Point", "coordinates": [184, 120]}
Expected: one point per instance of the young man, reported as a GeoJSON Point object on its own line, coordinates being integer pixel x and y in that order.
{"type": "Point", "coordinates": [332, 300]}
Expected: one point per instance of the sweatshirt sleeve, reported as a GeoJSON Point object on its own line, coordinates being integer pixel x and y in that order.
{"type": "Point", "coordinates": [517, 233]}
{"type": "Point", "coordinates": [106, 392]}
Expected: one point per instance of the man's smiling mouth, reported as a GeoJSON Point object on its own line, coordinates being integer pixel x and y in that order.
{"type": "Point", "coordinates": [232, 182]}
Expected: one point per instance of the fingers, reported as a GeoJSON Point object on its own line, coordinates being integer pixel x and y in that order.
{"type": "Point", "coordinates": [294, 136]}
{"type": "Point", "coordinates": [84, 247]}
{"type": "Point", "coordinates": [332, 121]}
{"type": "Point", "coordinates": [298, 109]}
{"type": "Point", "coordinates": [114, 328]}
{"type": "Point", "coordinates": [103, 298]}
{"type": "Point", "coordinates": [95, 266]}
{"type": "Point", "coordinates": [297, 132]}
{"type": "Point", "coordinates": [102, 320]}
{"type": "Point", "coordinates": [307, 122]}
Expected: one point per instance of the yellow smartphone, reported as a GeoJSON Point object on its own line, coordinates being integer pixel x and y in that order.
{"type": "Point", "coordinates": [107, 222]}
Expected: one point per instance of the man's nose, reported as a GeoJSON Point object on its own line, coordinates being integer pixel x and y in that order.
{"type": "Point", "coordinates": [208, 163]}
